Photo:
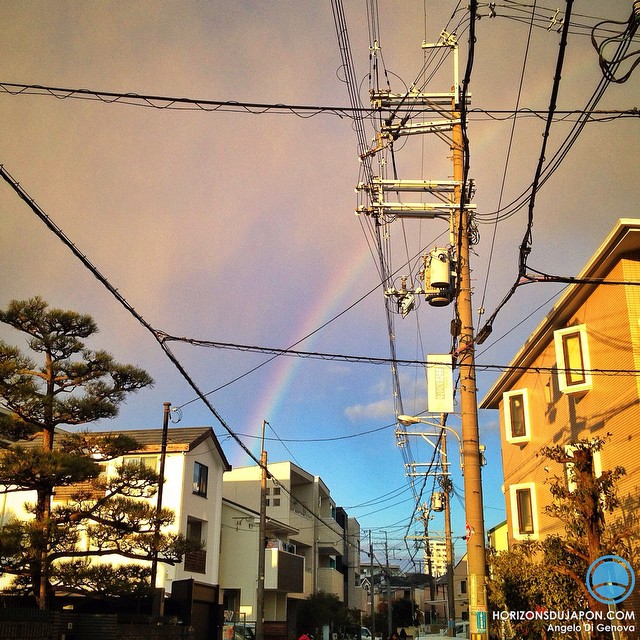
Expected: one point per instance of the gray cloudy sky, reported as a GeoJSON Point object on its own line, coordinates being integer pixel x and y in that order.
{"type": "Point", "coordinates": [240, 228]}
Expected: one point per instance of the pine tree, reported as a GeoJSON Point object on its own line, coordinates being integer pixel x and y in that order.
{"type": "Point", "coordinates": [72, 385]}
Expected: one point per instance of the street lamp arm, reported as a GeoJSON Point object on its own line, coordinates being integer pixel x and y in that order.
{"type": "Point", "coordinates": [409, 420]}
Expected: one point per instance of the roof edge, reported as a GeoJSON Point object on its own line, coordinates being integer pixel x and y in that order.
{"type": "Point", "coordinates": [620, 240]}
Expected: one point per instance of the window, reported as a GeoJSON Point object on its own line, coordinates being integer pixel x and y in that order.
{"type": "Point", "coordinates": [572, 356]}
{"type": "Point", "coordinates": [569, 467]}
{"type": "Point", "coordinates": [525, 512]}
{"type": "Point", "coordinates": [200, 478]}
{"type": "Point", "coordinates": [524, 516]}
{"type": "Point", "coordinates": [516, 416]}
{"type": "Point", "coordinates": [194, 529]}
{"type": "Point", "coordinates": [146, 461]}
{"type": "Point", "coordinates": [195, 561]}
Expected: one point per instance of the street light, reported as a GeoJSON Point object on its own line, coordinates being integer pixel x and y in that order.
{"type": "Point", "coordinates": [409, 420]}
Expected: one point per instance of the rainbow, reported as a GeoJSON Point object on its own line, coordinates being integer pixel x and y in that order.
{"type": "Point", "coordinates": [339, 284]}
{"type": "Point", "coordinates": [344, 276]}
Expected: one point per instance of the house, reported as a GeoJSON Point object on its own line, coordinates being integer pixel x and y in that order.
{"type": "Point", "coordinates": [498, 537]}
{"type": "Point", "coordinates": [575, 379]}
{"type": "Point", "coordinates": [194, 466]}
{"type": "Point", "coordinates": [460, 594]}
{"type": "Point", "coordinates": [302, 502]}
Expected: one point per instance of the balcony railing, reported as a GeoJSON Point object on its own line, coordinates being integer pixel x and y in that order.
{"type": "Point", "coordinates": [196, 561]}
{"type": "Point", "coordinates": [284, 571]}
{"type": "Point", "coordinates": [331, 581]}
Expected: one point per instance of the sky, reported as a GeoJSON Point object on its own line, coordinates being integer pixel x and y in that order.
{"type": "Point", "coordinates": [240, 228]}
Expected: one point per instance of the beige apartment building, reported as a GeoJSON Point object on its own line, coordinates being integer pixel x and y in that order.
{"type": "Point", "coordinates": [327, 548]}
{"type": "Point", "coordinates": [575, 378]}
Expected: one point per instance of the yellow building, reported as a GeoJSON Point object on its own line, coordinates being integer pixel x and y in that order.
{"type": "Point", "coordinates": [575, 378]}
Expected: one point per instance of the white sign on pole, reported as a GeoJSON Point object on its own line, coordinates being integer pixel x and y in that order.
{"type": "Point", "coordinates": [440, 383]}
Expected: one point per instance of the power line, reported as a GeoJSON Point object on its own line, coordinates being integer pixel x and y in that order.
{"type": "Point", "coordinates": [158, 335]}
{"type": "Point", "coordinates": [173, 103]}
{"type": "Point", "coordinates": [506, 164]}
{"type": "Point", "coordinates": [329, 439]}
{"type": "Point", "coordinates": [317, 355]}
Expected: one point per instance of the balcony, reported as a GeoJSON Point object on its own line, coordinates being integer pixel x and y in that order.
{"type": "Point", "coordinates": [87, 490]}
{"type": "Point", "coordinates": [196, 561]}
{"type": "Point", "coordinates": [283, 571]}
{"type": "Point", "coordinates": [330, 538]}
{"type": "Point", "coordinates": [331, 581]}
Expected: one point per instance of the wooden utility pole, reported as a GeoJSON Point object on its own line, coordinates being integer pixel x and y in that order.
{"type": "Point", "coordinates": [373, 591]}
{"type": "Point", "coordinates": [476, 556]}
{"type": "Point", "coordinates": [158, 596]}
{"type": "Point", "coordinates": [446, 482]}
{"type": "Point", "coordinates": [441, 291]}
{"type": "Point", "coordinates": [262, 533]}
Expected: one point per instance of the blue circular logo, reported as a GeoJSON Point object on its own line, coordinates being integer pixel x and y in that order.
{"type": "Point", "coordinates": [610, 579]}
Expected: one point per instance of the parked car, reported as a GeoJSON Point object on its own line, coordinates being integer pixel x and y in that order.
{"type": "Point", "coordinates": [462, 631]}
{"type": "Point", "coordinates": [238, 631]}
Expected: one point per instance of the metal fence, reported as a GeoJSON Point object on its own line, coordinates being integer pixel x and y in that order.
{"type": "Point", "coordinates": [33, 624]}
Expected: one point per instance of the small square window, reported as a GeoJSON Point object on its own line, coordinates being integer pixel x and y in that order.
{"type": "Point", "coordinates": [516, 416]}
{"type": "Point", "coordinates": [200, 479]}
{"type": "Point", "coordinates": [572, 356]}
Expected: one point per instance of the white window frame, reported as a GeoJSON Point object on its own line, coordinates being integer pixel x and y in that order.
{"type": "Point", "coordinates": [506, 397]}
{"type": "Point", "coordinates": [564, 370]}
{"type": "Point", "coordinates": [568, 466]}
{"type": "Point", "coordinates": [515, 520]}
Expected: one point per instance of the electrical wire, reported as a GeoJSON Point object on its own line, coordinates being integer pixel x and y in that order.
{"type": "Point", "coordinates": [506, 163]}
{"type": "Point", "coordinates": [158, 335]}
{"type": "Point", "coordinates": [170, 103]}
{"type": "Point", "coordinates": [525, 246]}
{"type": "Point", "coordinates": [329, 439]}
{"type": "Point", "coordinates": [543, 174]}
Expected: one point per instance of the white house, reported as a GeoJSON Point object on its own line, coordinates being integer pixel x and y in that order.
{"type": "Point", "coordinates": [194, 465]}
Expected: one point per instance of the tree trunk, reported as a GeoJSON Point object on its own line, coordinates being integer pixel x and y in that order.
{"type": "Point", "coordinates": [593, 519]}
{"type": "Point", "coordinates": [40, 569]}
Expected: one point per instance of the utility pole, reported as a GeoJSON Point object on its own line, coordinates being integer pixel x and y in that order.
{"type": "Point", "coordinates": [388, 581]}
{"type": "Point", "coordinates": [476, 555]}
{"type": "Point", "coordinates": [446, 485]}
{"type": "Point", "coordinates": [440, 287]}
{"type": "Point", "coordinates": [373, 591]}
{"type": "Point", "coordinates": [157, 596]}
{"type": "Point", "coordinates": [427, 548]}
{"type": "Point", "coordinates": [262, 529]}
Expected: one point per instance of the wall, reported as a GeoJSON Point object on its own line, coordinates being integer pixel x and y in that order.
{"type": "Point", "coordinates": [612, 315]}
